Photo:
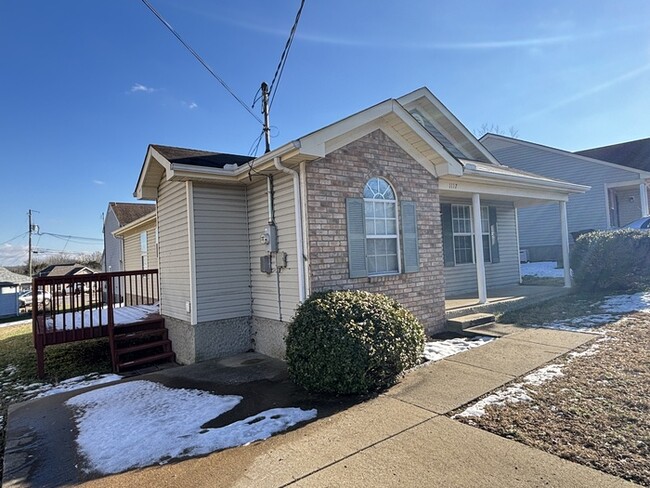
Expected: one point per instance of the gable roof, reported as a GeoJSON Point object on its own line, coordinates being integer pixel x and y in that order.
{"type": "Point", "coordinates": [578, 154]}
{"type": "Point", "coordinates": [633, 154]}
{"type": "Point", "coordinates": [437, 148]}
{"type": "Point", "coordinates": [9, 277]}
{"type": "Point", "coordinates": [129, 212]}
{"type": "Point", "coordinates": [65, 270]}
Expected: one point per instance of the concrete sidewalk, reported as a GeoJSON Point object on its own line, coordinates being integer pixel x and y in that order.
{"type": "Point", "coordinates": [400, 438]}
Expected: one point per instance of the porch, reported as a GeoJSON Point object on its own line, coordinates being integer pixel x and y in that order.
{"type": "Point", "coordinates": [501, 299]}
{"type": "Point", "coordinates": [122, 306]}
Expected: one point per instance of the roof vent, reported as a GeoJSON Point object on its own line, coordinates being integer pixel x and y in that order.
{"type": "Point", "coordinates": [230, 167]}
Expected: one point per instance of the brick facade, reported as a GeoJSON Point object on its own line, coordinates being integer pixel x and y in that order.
{"type": "Point", "coordinates": [344, 173]}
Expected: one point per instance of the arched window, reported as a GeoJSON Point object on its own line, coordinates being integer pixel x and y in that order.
{"type": "Point", "coordinates": [382, 239]}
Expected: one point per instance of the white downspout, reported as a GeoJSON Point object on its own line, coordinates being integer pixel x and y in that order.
{"type": "Point", "coordinates": [298, 217]}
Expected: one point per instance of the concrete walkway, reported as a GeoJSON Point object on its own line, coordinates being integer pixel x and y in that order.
{"type": "Point", "coordinates": [402, 437]}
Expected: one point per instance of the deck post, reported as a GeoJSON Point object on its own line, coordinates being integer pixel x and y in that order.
{"type": "Point", "coordinates": [643, 195]}
{"type": "Point", "coordinates": [110, 303]}
{"type": "Point", "coordinates": [478, 248]}
{"type": "Point", "coordinates": [564, 228]}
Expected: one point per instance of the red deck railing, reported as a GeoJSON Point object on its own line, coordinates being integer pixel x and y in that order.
{"type": "Point", "coordinates": [75, 308]}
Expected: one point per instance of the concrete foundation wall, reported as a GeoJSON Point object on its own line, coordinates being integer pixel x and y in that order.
{"type": "Point", "coordinates": [269, 337]}
{"type": "Point", "coordinates": [221, 338]}
{"type": "Point", "coordinates": [181, 333]}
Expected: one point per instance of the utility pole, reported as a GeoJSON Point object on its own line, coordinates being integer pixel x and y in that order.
{"type": "Point", "coordinates": [29, 259]}
{"type": "Point", "coordinates": [265, 112]}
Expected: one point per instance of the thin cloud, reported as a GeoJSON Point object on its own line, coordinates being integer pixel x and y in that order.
{"type": "Point", "coordinates": [587, 93]}
{"type": "Point", "coordinates": [190, 105]}
{"type": "Point", "coordinates": [11, 254]}
{"type": "Point", "coordinates": [98, 182]}
{"type": "Point", "coordinates": [137, 87]}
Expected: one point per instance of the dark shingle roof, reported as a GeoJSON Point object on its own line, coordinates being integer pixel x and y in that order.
{"type": "Point", "coordinates": [633, 154]}
{"type": "Point", "coordinates": [64, 270]}
{"type": "Point", "coordinates": [130, 212]}
{"type": "Point", "coordinates": [200, 158]}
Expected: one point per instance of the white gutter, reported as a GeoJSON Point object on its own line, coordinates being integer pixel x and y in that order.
{"type": "Point", "coordinates": [471, 169]}
{"type": "Point", "coordinates": [299, 224]}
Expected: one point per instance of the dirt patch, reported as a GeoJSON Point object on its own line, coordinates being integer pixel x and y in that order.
{"type": "Point", "coordinates": [597, 413]}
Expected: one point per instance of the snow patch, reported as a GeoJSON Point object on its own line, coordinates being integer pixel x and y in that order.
{"type": "Point", "coordinates": [77, 383]}
{"type": "Point", "coordinates": [639, 302]}
{"type": "Point", "coordinates": [95, 316]}
{"type": "Point", "coordinates": [542, 269]}
{"type": "Point", "coordinates": [140, 423]}
{"type": "Point", "coordinates": [437, 350]}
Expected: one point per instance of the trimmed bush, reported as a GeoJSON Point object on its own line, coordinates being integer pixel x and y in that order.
{"type": "Point", "coordinates": [352, 342]}
{"type": "Point", "coordinates": [616, 260]}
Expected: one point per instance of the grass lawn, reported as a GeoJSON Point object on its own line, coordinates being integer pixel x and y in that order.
{"type": "Point", "coordinates": [18, 366]}
{"type": "Point", "coordinates": [596, 412]}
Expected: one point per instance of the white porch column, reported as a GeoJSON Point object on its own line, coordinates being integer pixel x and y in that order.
{"type": "Point", "coordinates": [643, 193]}
{"type": "Point", "coordinates": [564, 227]}
{"type": "Point", "coordinates": [478, 248]}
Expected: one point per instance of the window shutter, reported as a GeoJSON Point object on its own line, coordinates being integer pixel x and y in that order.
{"type": "Point", "coordinates": [447, 235]}
{"type": "Point", "coordinates": [356, 223]}
{"type": "Point", "coordinates": [494, 235]}
{"type": "Point", "coordinates": [410, 238]}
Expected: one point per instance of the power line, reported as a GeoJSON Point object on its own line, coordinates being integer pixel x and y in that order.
{"type": "Point", "coordinates": [85, 240]}
{"type": "Point", "coordinates": [200, 60]}
{"type": "Point", "coordinates": [285, 54]}
{"type": "Point", "coordinates": [13, 239]}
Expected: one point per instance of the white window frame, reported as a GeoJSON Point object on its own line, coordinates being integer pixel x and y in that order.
{"type": "Point", "coordinates": [395, 236]}
{"type": "Point", "coordinates": [144, 244]}
{"type": "Point", "coordinates": [485, 233]}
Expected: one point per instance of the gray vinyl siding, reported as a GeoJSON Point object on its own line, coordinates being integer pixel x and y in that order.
{"type": "Point", "coordinates": [540, 226]}
{"type": "Point", "coordinates": [461, 279]}
{"type": "Point", "coordinates": [264, 286]}
{"type": "Point", "coordinates": [629, 205]}
{"type": "Point", "coordinates": [221, 252]}
{"type": "Point", "coordinates": [173, 249]}
{"type": "Point", "coordinates": [112, 245]}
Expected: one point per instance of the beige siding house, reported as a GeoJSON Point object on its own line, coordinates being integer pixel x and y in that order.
{"type": "Point", "coordinates": [138, 239]}
{"type": "Point", "coordinates": [399, 198]}
{"type": "Point", "coordinates": [619, 193]}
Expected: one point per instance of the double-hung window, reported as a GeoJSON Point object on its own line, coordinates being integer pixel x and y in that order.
{"type": "Point", "coordinates": [382, 240]}
{"type": "Point", "coordinates": [382, 233]}
{"type": "Point", "coordinates": [463, 231]}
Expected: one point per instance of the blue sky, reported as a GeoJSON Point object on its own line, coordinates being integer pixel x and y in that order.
{"type": "Point", "coordinates": [86, 86]}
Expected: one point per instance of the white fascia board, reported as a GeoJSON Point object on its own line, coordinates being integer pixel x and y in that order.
{"type": "Point", "coordinates": [453, 165]}
{"type": "Point", "coordinates": [150, 217]}
{"type": "Point", "coordinates": [424, 92]}
{"type": "Point", "coordinates": [500, 189]}
{"type": "Point", "coordinates": [524, 181]}
{"type": "Point", "coordinates": [512, 140]}
{"type": "Point", "coordinates": [152, 157]}
{"type": "Point", "coordinates": [619, 184]}
{"type": "Point", "coordinates": [314, 144]}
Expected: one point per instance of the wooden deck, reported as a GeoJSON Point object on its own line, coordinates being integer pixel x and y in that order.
{"type": "Point", "coordinates": [121, 306]}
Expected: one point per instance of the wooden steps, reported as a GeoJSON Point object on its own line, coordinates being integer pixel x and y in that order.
{"type": "Point", "coordinates": [141, 344]}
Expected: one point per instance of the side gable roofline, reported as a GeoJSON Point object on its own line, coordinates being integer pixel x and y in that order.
{"type": "Point", "coordinates": [150, 217]}
{"type": "Point", "coordinates": [424, 92]}
{"type": "Point", "coordinates": [309, 147]}
{"type": "Point", "coordinates": [643, 174]}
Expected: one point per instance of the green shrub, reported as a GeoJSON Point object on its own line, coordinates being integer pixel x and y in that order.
{"type": "Point", "coordinates": [352, 342]}
{"type": "Point", "coordinates": [612, 260]}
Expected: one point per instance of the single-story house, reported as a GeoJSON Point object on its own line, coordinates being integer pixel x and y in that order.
{"type": "Point", "coordinates": [618, 195]}
{"type": "Point", "coordinates": [139, 247]}
{"type": "Point", "coordinates": [399, 198]}
{"type": "Point", "coordinates": [11, 284]}
{"type": "Point", "coordinates": [120, 215]}
{"type": "Point", "coordinates": [58, 270]}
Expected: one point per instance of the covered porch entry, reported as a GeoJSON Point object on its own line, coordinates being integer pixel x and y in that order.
{"type": "Point", "coordinates": [480, 231]}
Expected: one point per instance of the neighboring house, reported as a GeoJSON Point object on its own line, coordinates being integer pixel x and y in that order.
{"type": "Point", "coordinates": [119, 215]}
{"type": "Point", "coordinates": [138, 239]}
{"type": "Point", "coordinates": [626, 203]}
{"type": "Point", "coordinates": [11, 284]}
{"type": "Point", "coordinates": [58, 270]}
{"type": "Point", "coordinates": [618, 194]}
{"type": "Point", "coordinates": [392, 199]}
